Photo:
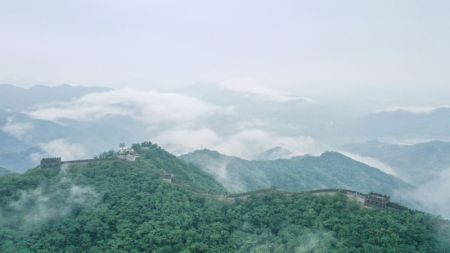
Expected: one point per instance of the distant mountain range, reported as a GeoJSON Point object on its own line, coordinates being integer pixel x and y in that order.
{"type": "Point", "coordinates": [16, 98]}
{"type": "Point", "coordinates": [23, 138]}
{"type": "Point", "coordinates": [404, 124]}
{"type": "Point", "coordinates": [46, 138]}
{"type": "Point", "coordinates": [416, 163]}
{"type": "Point", "coordinates": [9, 143]}
{"type": "Point", "coordinates": [329, 170]}
{"type": "Point", "coordinates": [273, 154]}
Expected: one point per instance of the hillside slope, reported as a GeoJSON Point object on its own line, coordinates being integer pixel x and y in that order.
{"type": "Point", "coordinates": [123, 206]}
{"type": "Point", "coordinates": [330, 170]}
{"type": "Point", "coordinates": [4, 172]}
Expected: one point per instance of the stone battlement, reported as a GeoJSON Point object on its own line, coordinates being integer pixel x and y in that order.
{"type": "Point", "coordinates": [51, 162]}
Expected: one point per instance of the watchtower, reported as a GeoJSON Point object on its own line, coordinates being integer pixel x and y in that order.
{"type": "Point", "coordinates": [168, 178]}
{"type": "Point", "coordinates": [53, 162]}
{"type": "Point", "coordinates": [377, 200]}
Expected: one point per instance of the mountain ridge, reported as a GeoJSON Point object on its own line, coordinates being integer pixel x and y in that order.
{"type": "Point", "coordinates": [10, 94]}
{"type": "Point", "coordinates": [129, 206]}
{"type": "Point", "coordinates": [329, 170]}
{"type": "Point", "coordinates": [417, 163]}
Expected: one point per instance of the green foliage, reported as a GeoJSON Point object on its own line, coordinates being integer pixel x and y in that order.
{"type": "Point", "coordinates": [330, 170]}
{"type": "Point", "coordinates": [4, 172]}
{"type": "Point", "coordinates": [121, 206]}
{"type": "Point", "coordinates": [162, 161]}
{"type": "Point", "coordinates": [107, 155]}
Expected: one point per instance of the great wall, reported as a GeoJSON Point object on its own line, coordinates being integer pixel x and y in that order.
{"type": "Point", "coordinates": [370, 200]}
{"type": "Point", "coordinates": [56, 162]}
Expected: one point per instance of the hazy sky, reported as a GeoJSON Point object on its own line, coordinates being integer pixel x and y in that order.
{"type": "Point", "coordinates": [310, 47]}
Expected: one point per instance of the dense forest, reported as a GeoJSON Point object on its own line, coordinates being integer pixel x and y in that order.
{"type": "Point", "coordinates": [122, 206]}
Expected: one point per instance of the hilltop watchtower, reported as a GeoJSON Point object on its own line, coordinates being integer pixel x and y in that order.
{"type": "Point", "coordinates": [53, 162]}
{"type": "Point", "coordinates": [168, 178]}
{"type": "Point", "coordinates": [377, 200]}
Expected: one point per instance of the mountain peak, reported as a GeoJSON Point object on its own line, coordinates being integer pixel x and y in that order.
{"type": "Point", "coordinates": [274, 153]}
{"type": "Point", "coordinates": [333, 154]}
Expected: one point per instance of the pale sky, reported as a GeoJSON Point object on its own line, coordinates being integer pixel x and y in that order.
{"type": "Point", "coordinates": [339, 47]}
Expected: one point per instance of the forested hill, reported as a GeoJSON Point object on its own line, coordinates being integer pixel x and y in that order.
{"type": "Point", "coordinates": [132, 206]}
{"type": "Point", "coordinates": [303, 173]}
{"type": "Point", "coordinates": [156, 160]}
{"type": "Point", "coordinates": [4, 172]}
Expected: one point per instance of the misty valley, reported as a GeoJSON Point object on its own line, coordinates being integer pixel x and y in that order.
{"type": "Point", "coordinates": [168, 126]}
{"type": "Point", "coordinates": [224, 184]}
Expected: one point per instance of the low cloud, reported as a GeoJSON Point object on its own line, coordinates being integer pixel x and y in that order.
{"type": "Point", "coordinates": [371, 162]}
{"type": "Point", "coordinates": [61, 148]}
{"type": "Point", "coordinates": [434, 195]}
{"type": "Point", "coordinates": [180, 141]}
{"type": "Point", "coordinates": [39, 205]}
{"type": "Point", "coordinates": [145, 106]}
{"type": "Point", "coordinates": [290, 238]}
{"type": "Point", "coordinates": [248, 143]}
{"type": "Point", "coordinates": [250, 87]}
{"type": "Point", "coordinates": [414, 109]}
{"type": "Point", "coordinates": [219, 171]}
{"type": "Point", "coordinates": [47, 202]}
{"type": "Point", "coordinates": [15, 128]}
{"type": "Point", "coordinates": [243, 143]}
